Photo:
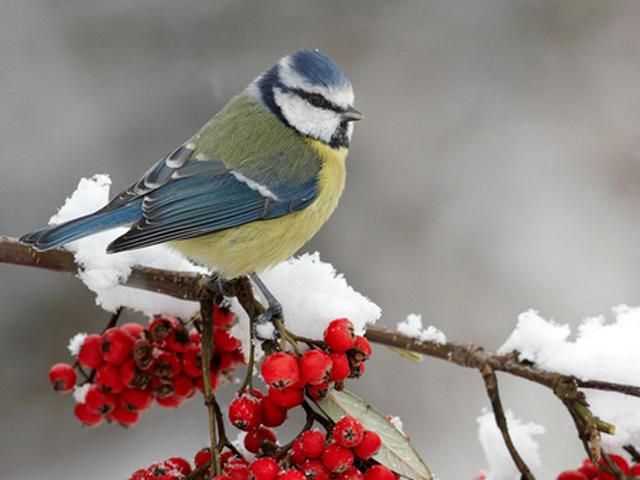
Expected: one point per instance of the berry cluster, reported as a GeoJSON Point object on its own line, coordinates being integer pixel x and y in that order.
{"type": "Point", "coordinates": [590, 471]}
{"type": "Point", "coordinates": [345, 456]}
{"type": "Point", "coordinates": [131, 366]}
{"type": "Point", "coordinates": [342, 356]}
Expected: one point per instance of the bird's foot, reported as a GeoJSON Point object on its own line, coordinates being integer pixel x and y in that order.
{"type": "Point", "coordinates": [265, 327]}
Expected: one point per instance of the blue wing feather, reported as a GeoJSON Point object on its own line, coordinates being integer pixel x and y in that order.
{"type": "Point", "coordinates": [206, 197]}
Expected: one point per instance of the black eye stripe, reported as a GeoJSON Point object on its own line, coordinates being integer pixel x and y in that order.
{"type": "Point", "coordinates": [318, 100]}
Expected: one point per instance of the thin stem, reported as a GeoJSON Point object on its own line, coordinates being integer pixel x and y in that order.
{"type": "Point", "coordinates": [285, 335]}
{"type": "Point", "coordinates": [282, 451]}
{"type": "Point", "coordinates": [491, 386]}
{"type": "Point", "coordinates": [248, 379]}
{"type": "Point", "coordinates": [206, 312]}
{"type": "Point", "coordinates": [631, 450]}
{"type": "Point", "coordinates": [223, 440]}
{"type": "Point", "coordinates": [309, 410]}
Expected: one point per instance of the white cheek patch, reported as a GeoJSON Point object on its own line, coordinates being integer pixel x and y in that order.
{"type": "Point", "coordinates": [304, 117]}
{"type": "Point", "coordinates": [342, 96]}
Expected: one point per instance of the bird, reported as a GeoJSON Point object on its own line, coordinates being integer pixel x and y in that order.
{"type": "Point", "coordinates": [251, 187]}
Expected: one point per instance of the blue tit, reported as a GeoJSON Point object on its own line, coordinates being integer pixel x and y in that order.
{"type": "Point", "coordinates": [251, 187]}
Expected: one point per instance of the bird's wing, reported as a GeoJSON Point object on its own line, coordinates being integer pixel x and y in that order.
{"type": "Point", "coordinates": [201, 197]}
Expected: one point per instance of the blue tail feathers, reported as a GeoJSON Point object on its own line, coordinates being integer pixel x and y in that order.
{"type": "Point", "coordinates": [57, 235]}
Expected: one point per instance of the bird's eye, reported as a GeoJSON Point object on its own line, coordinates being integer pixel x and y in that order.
{"type": "Point", "coordinates": [317, 100]}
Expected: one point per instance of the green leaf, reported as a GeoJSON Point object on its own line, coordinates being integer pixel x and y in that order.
{"type": "Point", "coordinates": [396, 452]}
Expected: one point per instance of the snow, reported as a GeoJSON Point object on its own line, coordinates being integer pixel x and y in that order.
{"type": "Point", "coordinates": [80, 392]}
{"type": "Point", "coordinates": [397, 422]}
{"type": "Point", "coordinates": [412, 327]}
{"type": "Point", "coordinates": [312, 293]}
{"type": "Point", "coordinates": [501, 466]}
{"type": "Point", "coordinates": [600, 351]}
{"type": "Point", "coordinates": [75, 343]}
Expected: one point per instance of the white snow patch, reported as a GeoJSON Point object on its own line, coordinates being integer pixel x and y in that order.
{"type": "Point", "coordinates": [501, 466]}
{"type": "Point", "coordinates": [266, 331]}
{"type": "Point", "coordinates": [397, 422]}
{"type": "Point", "coordinates": [412, 327]}
{"type": "Point", "coordinates": [75, 343]}
{"type": "Point", "coordinates": [601, 351]}
{"type": "Point", "coordinates": [80, 392]}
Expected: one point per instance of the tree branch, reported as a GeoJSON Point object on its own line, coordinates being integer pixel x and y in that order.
{"type": "Point", "coordinates": [196, 287]}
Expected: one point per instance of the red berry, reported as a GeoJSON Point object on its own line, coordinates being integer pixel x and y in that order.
{"type": "Point", "coordinates": [362, 349]}
{"type": "Point", "coordinates": [191, 362]}
{"type": "Point", "coordinates": [337, 458]}
{"type": "Point", "coordinates": [166, 365]}
{"type": "Point", "coordinates": [265, 468]}
{"type": "Point", "coordinates": [620, 462]}
{"type": "Point", "coordinates": [178, 465]}
{"type": "Point", "coordinates": [272, 414]}
{"type": "Point", "coordinates": [170, 401]}
{"type": "Point", "coordinates": [183, 386]}
{"type": "Point", "coordinates": [635, 469]}
{"type": "Point", "coordinates": [315, 470]}
{"type": "Point", "coordinates": [236, 470]}
{"type": "Point", "coordinates": [291, 474]}
{"type": "Point", "coordinates": [133, 329]}
{"type": "Point", "coordinates": [297, 455]}
{"type": "Point", "coordinates": [288, 398]}
{"type": "Point", "coordinates": [143, 353]}
{"type": "Point", "coordinates": [380, 472]}
{"type": "Point", "coordinates": [203, 457]}
{"type": "Point", "coordinates": [312, 442]}
{"type": "Point", "coordinates": [117, 345]}
{"type": "Point", "coordinates": [315, 367]}
{"type": "Point", "coordinates": [318, 392]}
{"type": "Point", "coordinates": [348, 432]}
{"type": "Point", "coordinates": [245, 412]}
{"type": "Point", "coordinates": [341, 367]}
{"type": "Point", "coordinates": [224, 341]}
{"type": "Point", "coordinates": [140, 474]}
{"type": "Point", "coordinates": [339, 335]}
{"type": "Point", "coordinates": [351, 474]}
{"type": "Point", "coordinates": [90, 354]}
{"type": "Point", "coordinates": [99, 401]}
{"type": "Point", "coordinates": [178, 340]}
{"type": "Point", "coordinates": [136, 400]}
{"type": "Point", "coordinates": [222, 316]}
{"type": "Point", "coordinates": [280, 370]}
{"type": "Point", "coordinates": [369, 446]}
{"type": "Point", "coordinates": [86, 416]}
{"type": "Point", "coordinates": [108, 377]}
{"type": "Point", "coordinates": [160, 327]}
{"type": "Point", "coordinates": [253, 440]}
{"type": "Point", "coordinates": [124, 417]}
{"type": "Point", "coordinates": [572, 475]}
{"type": "Point", "coordinates": [63, 377]}
{"type": "Point", "coordinates": [589, 469]}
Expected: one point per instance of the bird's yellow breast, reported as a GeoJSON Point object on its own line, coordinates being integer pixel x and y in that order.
{"type": "Point", "coordinates": [264, 243]}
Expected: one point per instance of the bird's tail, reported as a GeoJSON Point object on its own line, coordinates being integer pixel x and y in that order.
{"type": "Point", "coordinates": [56, 235]}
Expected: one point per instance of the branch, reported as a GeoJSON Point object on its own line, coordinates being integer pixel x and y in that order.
{"type": "Point", "coordinates": [196, 287]}
{"type": "Point", "coordinates": [491, 386]}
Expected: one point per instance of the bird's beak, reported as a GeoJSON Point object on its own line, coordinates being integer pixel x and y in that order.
{"type": "Point", "coordinates": [352, 115]}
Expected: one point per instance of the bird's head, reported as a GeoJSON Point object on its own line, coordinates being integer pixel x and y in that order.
{"type": "Point", "coordinates": [309, 93]}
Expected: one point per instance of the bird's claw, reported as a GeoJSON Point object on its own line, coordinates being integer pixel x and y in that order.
{"type": "Point", "coordinates": [269, 316]}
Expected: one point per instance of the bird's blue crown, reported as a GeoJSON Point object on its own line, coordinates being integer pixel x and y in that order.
{"type": "Point", "coordinates": [317, 68]}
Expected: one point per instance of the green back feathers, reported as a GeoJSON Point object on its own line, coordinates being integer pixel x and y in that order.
{"type": "Point", "coordinates": [250, 139]}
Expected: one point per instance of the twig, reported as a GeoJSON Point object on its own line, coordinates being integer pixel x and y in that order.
{"type": "Point", "coordinates": [282, 451]}
{"type": "Point", "coordinates": [633, 451]}
{"type": "Point", "coordinates": [206, 310]}
{"type": "Point", "coordinates": [491, 386]}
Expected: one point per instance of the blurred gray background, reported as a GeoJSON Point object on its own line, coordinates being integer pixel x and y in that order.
{"type": "Point", "coordinates": [497, 170]}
